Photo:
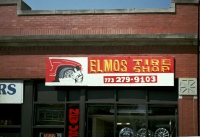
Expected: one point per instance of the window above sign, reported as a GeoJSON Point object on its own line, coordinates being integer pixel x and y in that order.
{"type": "Point", "coordinates": [96, 4]}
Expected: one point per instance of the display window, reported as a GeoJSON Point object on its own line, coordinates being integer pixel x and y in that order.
{"type": "Point", "coordinates": [10, 120]}
{"type": "Point", "coordinates": [49, 120]}
{"type": "Point", "coordinates": [100, 120]}
{"type": "Point", "coordinates": [10, 132]}
{"type": "Point", "coordinates": [162, 120]}
{"type": "Point", "coordinates": [47, 114]}
{"type": "Point", "coordinates": [131, 120]}
{"type": "Point", "coordinates": [105, 111]}
{"type": "Point", "coordinates": [49, 111]}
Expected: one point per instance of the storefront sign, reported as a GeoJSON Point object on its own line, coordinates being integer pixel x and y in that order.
{"type": "Point", "coordinates": [73, 123]}
{"type": "Point", "coordinates": [110, 71]}
{"type": "Point", "coordinates": [50, 134]}
{"type": "Point", "coordinates": [11, 92]}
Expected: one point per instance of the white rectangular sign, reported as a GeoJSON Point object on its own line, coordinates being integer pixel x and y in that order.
{"type": "Point", "coordinates": [110, 71]}
{"type": "Point", "coordinates": [11, 92]}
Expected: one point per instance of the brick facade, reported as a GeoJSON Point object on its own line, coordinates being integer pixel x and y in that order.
{"type": "Point", "coordinates": [21, 62]}
{"type": "Point", "coordinates": [183, 21]}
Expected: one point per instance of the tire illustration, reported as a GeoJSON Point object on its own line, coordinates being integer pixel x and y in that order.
{"type": "Point", "coordinates": [161, 132]}
{"type": "Point", "coordinates": [69, 72]}
{"type": "Point", "coordinates": [66, 72]}
{"type": "Point", "coordinates": [142, 133]}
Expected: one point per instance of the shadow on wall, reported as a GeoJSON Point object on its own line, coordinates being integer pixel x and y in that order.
{"type": "Point", "coordinates": [53, 50]}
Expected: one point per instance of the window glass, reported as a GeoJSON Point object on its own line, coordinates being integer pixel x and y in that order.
{"type": "Point", "coordinates": [130, 120]}
{"type": "Point", "coordinates": [100, 121]}
{"type": "Point", "coordinates": [101, 94]}
{"type": "Point", "coordinates": [74, 94]}
{"type": "Point", "coordinates": [163, 120]}
{"type": "Point", "coordinates": [164, 93]}
{"type": "Point", "coordinates": [50, 93]}
{"type": "Point", "coordinates": [10, 132]}
{"type": "Point", "coordinates": [48, 132]}
{"type": "Point", "coordinates": [131, 93]}
{"type": "Point", "coordinates": [49, 114]}
{"type": "Point", "coordinates": [8, 118]}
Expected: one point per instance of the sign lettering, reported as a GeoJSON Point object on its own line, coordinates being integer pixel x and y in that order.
{"type": "Point", "coordinates": [11, 91]}
{"type": "Point", "coordinates": [7, 89]}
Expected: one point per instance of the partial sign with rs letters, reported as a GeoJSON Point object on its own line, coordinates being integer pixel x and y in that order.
{"type": "Point", "coordinates": [11, 91]}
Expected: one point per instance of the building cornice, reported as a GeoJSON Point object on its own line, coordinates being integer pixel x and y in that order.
{"type": "Point", "coordinates": [100, 40]}
{"type": "Point", "coordinates": [24, 9]}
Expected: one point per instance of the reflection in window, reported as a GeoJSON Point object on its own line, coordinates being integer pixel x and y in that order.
{"type": "Point", "coordinates": [49, 114]}
{"type": "Point", "coordinates": [7, 118]}
{"type": "Point", "coordinates": [162, 121]}
{"type": "Point", "coordinates": [130, 119]}
{"type": "Point", "coordinates": [100, 121]}
{"type": "Point", "coordinates": [10, 132]}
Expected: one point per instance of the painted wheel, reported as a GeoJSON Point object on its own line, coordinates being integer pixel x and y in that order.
{"type": "Point", "coordinates": [73, 73]}
{"type": "Point", "coordinates": [66, 72]}
{"type": "Point", "coordinates": [126, 132]}
{"type": "Point", "coordinates": [142, 133]}
{"type": "Point", "coordinates": [161, 132]}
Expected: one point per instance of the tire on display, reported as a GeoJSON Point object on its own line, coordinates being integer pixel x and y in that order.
{"type": "Point", "coordinates": [126, 132]}
{"type": "Point", "coordinates": [142, 133]}
{"type": "Point", "coordinates": [161, 132]}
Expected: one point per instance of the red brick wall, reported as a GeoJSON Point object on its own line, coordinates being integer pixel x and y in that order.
{"type": "Point", "coordinates": [29, 62]}
{"type": "Point", "coordinates": [188, 116]}
{"type": "Point", "coordinates": [183, 21]}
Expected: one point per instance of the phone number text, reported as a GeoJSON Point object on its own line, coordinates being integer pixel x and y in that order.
{"type": "Point", "coordinates": [130, 79]}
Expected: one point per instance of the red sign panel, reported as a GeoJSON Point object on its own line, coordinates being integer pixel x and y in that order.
{"type": "Point", "coordinates": [130, 65]}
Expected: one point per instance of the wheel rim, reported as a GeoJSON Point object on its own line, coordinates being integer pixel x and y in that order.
{"type": "Point", "coordinates": [142, 133]}
{"type": "Point", "coordinates": [161, 132]}
{"type": "Point", "coordinates": [126, 132]}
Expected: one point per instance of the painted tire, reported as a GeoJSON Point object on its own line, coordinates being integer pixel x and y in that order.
{"type": "Point", "coordinates": [66, 72]}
